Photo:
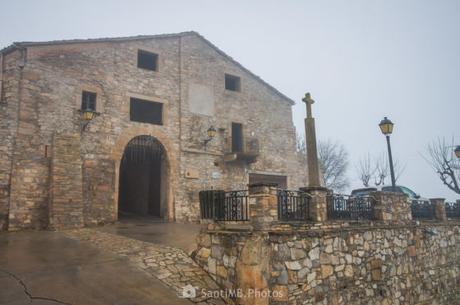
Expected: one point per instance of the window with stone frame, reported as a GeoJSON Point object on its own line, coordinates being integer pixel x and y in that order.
{"type": "Point", "coordinates": [88, 100]}
{"type": "Point", "coordinates": [232, 82]}
{"type": "Point", "coordinates": [147, 60]}
{"type": "Point", "coordinates": [145, 111]}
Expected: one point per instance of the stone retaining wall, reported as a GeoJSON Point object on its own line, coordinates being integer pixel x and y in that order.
{"type": "Point", "coordinates": [391, 259]}
{"type": "Point", "coordinates": [337, 264]}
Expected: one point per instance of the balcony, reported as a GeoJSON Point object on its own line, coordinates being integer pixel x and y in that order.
{"type": "Point", "coordinates": [248, 153]}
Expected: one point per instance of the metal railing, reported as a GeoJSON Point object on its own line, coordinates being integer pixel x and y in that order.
{"type": "Point", "coordinates": [293, 205]}
{"type": "Point", "coordinates": [224, 206]}
{"type": "Point", "coordinates": [453, 209]}
{"type": "Point", "coordinates": [345, 207]}
{"type": "Point", "coordinates": [422, 209]}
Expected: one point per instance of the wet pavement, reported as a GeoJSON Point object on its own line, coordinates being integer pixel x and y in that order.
{"type": "Point", "coordinates": [179, 235]}
{"type": "Point", "coordinates": [43, 267]}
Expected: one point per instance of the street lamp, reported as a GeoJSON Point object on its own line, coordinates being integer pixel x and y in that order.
{"type": "Point", "coordinates": [211, 133]}
{"type": "Point", "coordinates": [86, 116]}
{"type": "Point", "coordinates": [386, 126]}
{"type": "Point", "coordinates": [457, 151]}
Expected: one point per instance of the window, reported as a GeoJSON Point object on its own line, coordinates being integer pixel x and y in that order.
{"type": "Point", "coordinates": [88, 100]}
{"type": "Point", "coordinates": [146, 111]}
{"type": "Point", "coordinates": [232, 83]}
{"type": "Point", "coordinates": [237, 137]}
{"type": "Point", "coordinates": [147, 60]}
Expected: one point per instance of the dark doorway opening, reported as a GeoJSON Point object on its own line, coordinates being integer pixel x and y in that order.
{"type": "Point", "coordinates": [237, 137]}
{"type": "Point", "coordinates": [142, 170]}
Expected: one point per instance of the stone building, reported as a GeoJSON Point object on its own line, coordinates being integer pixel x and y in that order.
{"type": "Point", "coordinates": [146, 149]}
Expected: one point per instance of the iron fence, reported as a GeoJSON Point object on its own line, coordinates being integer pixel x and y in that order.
{"type": "Point", "coordinates": [224, 206]}
{"type": "Point", "coordinates": [293, 205]}
{"type": "Point", "coordinates": [422, 209]}
{"type": "Point", "coordinates": [347, 207]}
{"type": "Point", "coordinates": [453, 209]}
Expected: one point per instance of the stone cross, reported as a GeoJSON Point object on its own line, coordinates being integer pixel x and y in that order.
{"type": "Point", "coordinates": [308, 101]}
{"type": "Point", "coordinates": [310, 142]}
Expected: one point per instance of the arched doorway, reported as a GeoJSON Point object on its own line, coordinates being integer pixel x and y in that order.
{"type": "Point", "coordinates": [143, 179]}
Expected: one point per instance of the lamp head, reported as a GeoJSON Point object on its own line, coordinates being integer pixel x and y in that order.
{"type": "Point", "coordinates": [211, 132]}
{"type": "Point", "coordinates": [386, 126]}
{"type": "Point", "coordinates": [87, 114]}
{"type": "Point", "coordinates": [457, 151]}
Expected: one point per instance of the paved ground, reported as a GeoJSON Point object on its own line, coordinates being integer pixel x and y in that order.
{"type": "Point", "coordinates": [133, 262]}
{"type": "Point", "coordinates": [49, 268]}
{"type": "Point", "coordinates": [171, 265]}
{"type": "Point", "coordinates": [177, 235]}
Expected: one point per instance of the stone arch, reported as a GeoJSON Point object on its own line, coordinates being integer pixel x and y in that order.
{"type": "Point", "coordinates": [117, 154]}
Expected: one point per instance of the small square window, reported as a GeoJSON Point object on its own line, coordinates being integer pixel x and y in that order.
{"type": "Point", "coordinates": [146, 111]}
{"type": "Point", "coordinates": [88, 101]}
{"type": "Point", "coordinates": [232, 83]}
{"type": "Point", "coordinates": [147, 60]}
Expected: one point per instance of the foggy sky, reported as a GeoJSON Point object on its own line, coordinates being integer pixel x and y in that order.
{"type": "Point", "coordinates": [361, 60]}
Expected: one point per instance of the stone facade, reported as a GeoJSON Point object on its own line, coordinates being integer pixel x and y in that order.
{"type": "Point", "coordinates": [42, 85]}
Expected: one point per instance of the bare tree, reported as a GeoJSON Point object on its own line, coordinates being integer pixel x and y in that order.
{"type": "Point", "coordinates": [382, 169]}
{"type": "Point", "coordinates": [446, 165]}
{"type": "Point", "coordinates": [300, 144]}
{"type": "Point", "coordinates": [365, 170]}
{"type": "Point", "coordinates": [333, 162]}
{"type": "Point", "coordinates": [377, 169]}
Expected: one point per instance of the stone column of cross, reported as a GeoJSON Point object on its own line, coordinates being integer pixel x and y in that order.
{"type": "Point", "coordinates": [318, 211]}
{"type": "Point", "coordinates": [310, 143]}
{"type": "Point", "coordinates": [308, 102]}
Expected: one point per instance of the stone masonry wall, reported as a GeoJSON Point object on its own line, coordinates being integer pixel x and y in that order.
{"type": "Point", "coordinates": [387, 259]}
{"type": "Point", "coordinates": [405, 264]}
{"type": "Point", "coordinates": [29, 181]}
{"type": "Point", "coordinates": [66, 202]}
{"type": "Point", "coordinates": [8, 127]}
{"type": "Point", "coordinates": [264, 115]}
{"type": "Point", "coordinates": [392, 207]}
{"type": "Point", "coordinates": [98, 181]}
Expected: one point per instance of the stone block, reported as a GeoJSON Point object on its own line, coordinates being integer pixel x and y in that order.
{"type": "Point", "coordinates": [326, 271]}
{"type": "Point", "coordinates": [411, 251]}
{"type": "Point", "coordinates": [280, 293]}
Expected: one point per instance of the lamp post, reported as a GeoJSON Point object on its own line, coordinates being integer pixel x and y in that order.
{"type": "Point", "coordinates": [386, 126]}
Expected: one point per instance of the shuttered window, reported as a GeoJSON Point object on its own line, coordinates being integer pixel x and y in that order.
{"type": "Point", "coordinates": [146, 111]}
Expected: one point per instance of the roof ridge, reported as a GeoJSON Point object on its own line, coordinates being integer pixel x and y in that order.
{"type": "Point", "coordinates": [100, 39]}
